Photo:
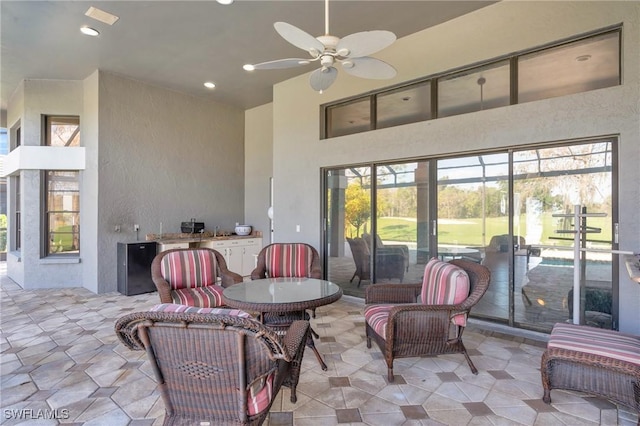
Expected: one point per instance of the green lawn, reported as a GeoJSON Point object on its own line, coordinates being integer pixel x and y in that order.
{"type": "Point", "coordinates": [469, 231]}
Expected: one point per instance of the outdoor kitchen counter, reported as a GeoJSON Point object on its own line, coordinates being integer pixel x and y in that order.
{"type": "Point", "coordinates": [194, 238]}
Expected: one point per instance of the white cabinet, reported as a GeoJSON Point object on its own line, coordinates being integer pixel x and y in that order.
{"type": "Point", "coordinates": [240, 254]}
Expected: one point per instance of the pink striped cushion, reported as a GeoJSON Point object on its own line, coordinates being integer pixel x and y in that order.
{"type": "Point", "coordinates": [259, 395]}
{"type": "Point", "coordinates": [288, 260]}
{"type": "Point", "coordinates": [445, 284]}
{"type": "Point", "coordinates": [377, 316]}
{"type": "Point", "coordinates": [189, 268]}
{"type": "Point", "coordinates": [172, 307]}
{"type": "Point", "coordinates": [203, 297]}
{"type": "Point", "coordinates": [596, 341]}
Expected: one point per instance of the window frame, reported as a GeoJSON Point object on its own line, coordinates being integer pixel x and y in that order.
{"type": "Point", "coordinates": [47, 213]}
{"type": "Point", "coordinates": [511, 58]}
{"type": "Point", "coordinates": [47, 125]}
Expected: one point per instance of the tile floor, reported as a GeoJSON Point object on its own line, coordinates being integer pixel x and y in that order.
{"type": "Point", "coordinates": [60, 358]}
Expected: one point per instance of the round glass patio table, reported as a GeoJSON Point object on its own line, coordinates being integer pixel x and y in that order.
{"type": "Point", "coordinates": [280, 301]}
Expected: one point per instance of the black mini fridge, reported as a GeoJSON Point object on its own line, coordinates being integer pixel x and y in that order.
{"type": "Point", "coordinates": [134, 267]}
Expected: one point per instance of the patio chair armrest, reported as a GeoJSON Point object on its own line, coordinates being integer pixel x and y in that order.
{"type": "Point", "coordinates": [420, 307]}
{"type": "Point", "coordinates": [295, 338]}
{"type": "Point", "coordinates": [392, 293]}
{"type": "Point", "coordinates": [229, 278]}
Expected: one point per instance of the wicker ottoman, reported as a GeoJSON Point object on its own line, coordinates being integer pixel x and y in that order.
{"type": "Point", "coordinates": [601, 362]}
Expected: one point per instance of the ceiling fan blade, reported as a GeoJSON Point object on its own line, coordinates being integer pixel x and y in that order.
{"type": "Point", "coordinates": [367, 67]}
{"type": "Point", "coordinates": [299, 38]}
{"type": "Point", "coordinates": [281, 64]}
{"type": "Point", "coordinates": [365, 43]}
{"type": "Point", "coordinates": [322, 78]}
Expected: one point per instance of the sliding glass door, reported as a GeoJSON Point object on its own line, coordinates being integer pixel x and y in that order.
{"type": "Point", "coordinates": [347, 216]}
{"type": "Point", "coordinates": [512, 211]}
{"type": "Point", "coordinates": [401, 242]}
{"type": "Point", "coordinates": [473, 222]}
{"type": "Point", "coordinates": [550, 184]}
{"type": "Point", "coordinates": [377, 224]}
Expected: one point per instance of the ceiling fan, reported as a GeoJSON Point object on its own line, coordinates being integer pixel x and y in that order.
{"type": "Point", "coordinates": [351, 52]}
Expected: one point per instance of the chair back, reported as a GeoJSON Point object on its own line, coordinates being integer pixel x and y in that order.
{"type": "Point", "coordinates": [289, 260]}
{"type": "Point", "coordinates": [360, 252]}
{"type": "Point", "coordinates": [216, 368]}
{"type": "Point", "coordinates": [189, 268]}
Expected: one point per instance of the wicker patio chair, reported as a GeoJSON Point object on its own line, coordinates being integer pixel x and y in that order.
{"type": "Point", "coordinates": [192, 277]}
{"type": "Point", "coordinates": [381, 247]}
{"type": "Point", "coordinates": [390, 264]}
{"type": "Point", "coordinates": [215, 369]}
{"type": "Point", "coordinates": [596, 361]}
{"type": "Point", "coordinates": [286, 260]}
{"type": "Point", "coordinates": [404, 327]}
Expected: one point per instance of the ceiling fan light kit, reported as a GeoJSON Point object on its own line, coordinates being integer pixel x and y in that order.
{"type": "Point", "coordinates": [351, 52]}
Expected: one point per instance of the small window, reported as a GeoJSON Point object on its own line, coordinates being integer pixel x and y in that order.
{"type": "Point", "coordinates": [346, 119]}
{"type": "Point", "coordinates": [583, 65]}
{"type": "Point", "coordinates": [62, 131]}
{"type": "Point", "coordinates": [403, 106]}
{"type": "Point", "coordinates": [474, 90]}
{"type": "Point", "coordinates": [15, 133]}
{"type": "Point", "coordinates": [62, 212]}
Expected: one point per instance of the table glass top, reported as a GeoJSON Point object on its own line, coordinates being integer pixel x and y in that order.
{"type": "Point", "coordinates": [281, 290]}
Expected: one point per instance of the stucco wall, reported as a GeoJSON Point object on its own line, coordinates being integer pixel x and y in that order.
{"type": "Point", "coordinates": [500, 29]}
{"type": "Point", "coordinates": [258, 146]}
{"type": "Point", "coordinates": [163, 157]}
{"type": "Point", "coordinates": [40, 97]}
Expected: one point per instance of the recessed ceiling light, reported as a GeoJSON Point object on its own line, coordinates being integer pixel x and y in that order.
{"type": "Point", "coordinates": [583, 58]}
{"type": "Point", "coordinates": [225, 1]}
{"type": "Point", "coordinates": [248, 67]}
{"type": "Point", "coordinates": [89, 31]}
{"type": "Point", "coordinates": [209, 85]}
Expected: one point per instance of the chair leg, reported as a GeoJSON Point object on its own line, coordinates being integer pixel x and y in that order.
{"type": "Point", "coordinates": [354, 275]}
{"type": "Point", "coordinates": [547, 396]}
{"type": "Point", "coordinates": [473, 368]}
{"type": "Point", "coordinates": [390, 377]}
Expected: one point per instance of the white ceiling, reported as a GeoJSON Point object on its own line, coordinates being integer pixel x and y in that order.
{"type": "Point", "coordinates": [182, 44]}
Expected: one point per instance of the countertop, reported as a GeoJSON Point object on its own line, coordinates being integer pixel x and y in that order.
{"type": "Point", "coordinates": [190, 238]}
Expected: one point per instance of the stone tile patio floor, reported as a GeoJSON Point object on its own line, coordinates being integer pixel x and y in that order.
{"type": "Point", "coordinates": [61, 358]}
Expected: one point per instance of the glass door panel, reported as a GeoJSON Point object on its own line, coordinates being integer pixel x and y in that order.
{"type": "Point", "coordinates": [549, 183]}
{"type": "Point", "coordinates": [348, 217]}
{"type": "Point", "coordinates": [473, 222]}
{"type": "Point", "coordinates": [401, 241]}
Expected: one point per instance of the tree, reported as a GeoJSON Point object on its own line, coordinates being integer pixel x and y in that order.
{"type": "Point", "coordinates": [357, 208]}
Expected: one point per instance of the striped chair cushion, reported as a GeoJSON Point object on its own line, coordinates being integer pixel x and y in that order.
{"type": "Point", "coordinates": [260, 394]}
{"type": "Point", "coordinates": [202, 297]}
{"type": "Point", "coordinates": [189, 268]}
{"type": "Point", "coordinates": [596, 341]}
{"type": "Point", "coordinates": [377, 316]}
{"type": "Point", "coordinates": [288, 260]}
{"type": "Point", "coordinates": [445, 284]}
{"type": "Point", "coordinates": [173, 307]}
